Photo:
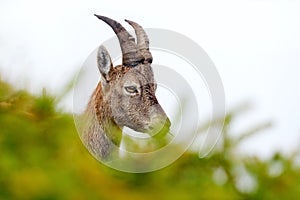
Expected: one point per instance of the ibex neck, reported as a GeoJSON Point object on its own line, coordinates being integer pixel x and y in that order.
{"type": "Point", "coordinates": [103, 116]}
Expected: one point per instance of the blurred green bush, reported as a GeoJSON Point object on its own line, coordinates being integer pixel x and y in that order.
{"type": "Point", "coordinates": [42, 157]}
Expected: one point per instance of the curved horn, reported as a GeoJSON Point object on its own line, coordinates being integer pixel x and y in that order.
{"type": "Point", "coordinates": [142, 40]}
{"type": "Point", "coordinates": [131, 57]}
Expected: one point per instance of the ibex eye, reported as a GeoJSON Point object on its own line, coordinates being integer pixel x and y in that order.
{"type": "Point", "coordinates": [131, 89]}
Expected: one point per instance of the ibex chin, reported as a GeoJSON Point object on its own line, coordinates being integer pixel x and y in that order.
{"type": "Point", "coordinates": [124, 96]}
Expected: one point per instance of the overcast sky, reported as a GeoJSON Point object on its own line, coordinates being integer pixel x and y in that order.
{"type": "Point", "coordinates": [254, 44]}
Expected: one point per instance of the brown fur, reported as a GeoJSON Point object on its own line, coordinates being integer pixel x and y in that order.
{"type": "Point", "coordinates": [113, 106]}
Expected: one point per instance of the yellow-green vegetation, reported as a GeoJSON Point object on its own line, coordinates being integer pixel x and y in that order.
{"type": "Point", "coordinates": [42, 157]}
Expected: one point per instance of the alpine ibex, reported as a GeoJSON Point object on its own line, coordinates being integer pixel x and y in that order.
{"type": "Point", "coordinates": [124, 96]}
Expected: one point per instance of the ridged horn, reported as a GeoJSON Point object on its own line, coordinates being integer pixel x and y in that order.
{"type": "Point", "coordinates": [142, 40]}
{"type": "Point", "coordinates": [130, 55]}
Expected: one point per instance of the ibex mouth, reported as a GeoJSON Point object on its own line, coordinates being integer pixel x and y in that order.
{"type": "Point", "coordinates": [159, 128]}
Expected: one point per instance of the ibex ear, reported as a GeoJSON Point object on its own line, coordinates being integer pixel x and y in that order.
{"type": "Point", "coordinates": [104, 62]}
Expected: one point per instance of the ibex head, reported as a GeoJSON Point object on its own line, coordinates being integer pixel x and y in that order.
{"type": "Point", "coordinates": [129, 89]}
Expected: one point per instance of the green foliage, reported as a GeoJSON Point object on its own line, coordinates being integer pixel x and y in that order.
{"type": "Point", "coordinates": [42, 157]}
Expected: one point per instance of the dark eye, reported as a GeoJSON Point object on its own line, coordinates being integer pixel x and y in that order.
{"type": "Point", "coordinates": [131, 89]}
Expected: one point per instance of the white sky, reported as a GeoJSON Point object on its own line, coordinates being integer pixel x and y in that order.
{"type": "Point", "coordinates": [254, 44]}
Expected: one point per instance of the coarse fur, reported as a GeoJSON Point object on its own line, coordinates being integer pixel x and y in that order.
{"type": "Point", "coordinates": [125, 96]}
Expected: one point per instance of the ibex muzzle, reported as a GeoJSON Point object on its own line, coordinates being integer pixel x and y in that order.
{"type": "Point", "coordinates": [125, 95]}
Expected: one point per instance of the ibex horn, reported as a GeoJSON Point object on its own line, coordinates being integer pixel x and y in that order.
{"type": "Point", "coordinates": [142, 40]}
{"type": "Point", "coordinates": [130, 55]}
